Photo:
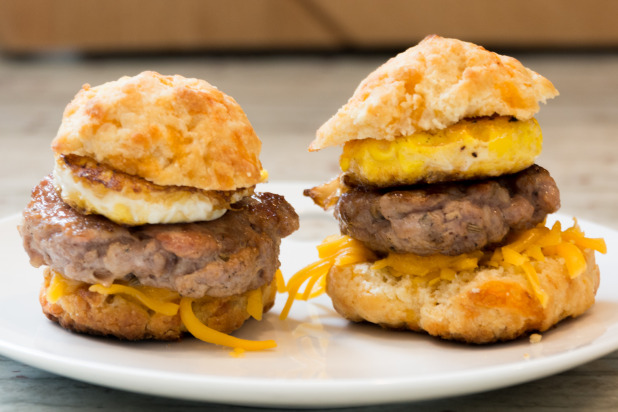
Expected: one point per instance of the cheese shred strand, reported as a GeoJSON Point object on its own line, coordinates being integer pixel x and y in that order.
{"type": "Point", "coordinates": [206, 334]}
{"type": "Point", "coordinates": [333, 251]}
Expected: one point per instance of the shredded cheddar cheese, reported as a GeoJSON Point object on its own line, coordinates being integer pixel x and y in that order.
{"type": "Point", "coordinates": [441, 265]}
{"type": "Point", "coordinates": [203, 332]}
{"type": "Point", "coordinates": [334, 250]}
{"type": "Point", "coordinates": [254, 304]}
{"type": "Point", "coordinates": [151, 302]}
{"type": "Point", "coordinates": [60, 286]}
{"type": "Point", "coordinates": [168, 303]}
{"type": "Point", "coordinates": [238, 353]}
{"type": "Point", "coordinates": [528, 247]}
{"type": "Point", "coordinates": [280, 281]}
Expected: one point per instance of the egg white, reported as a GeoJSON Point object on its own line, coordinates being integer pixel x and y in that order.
{"type": "Point", "coordinates": [174, 205]}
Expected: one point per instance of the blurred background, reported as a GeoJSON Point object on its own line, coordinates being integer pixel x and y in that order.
{"type": "Point", "coordinates": [291, 64]}
{"type": "Point", "coordinates": [157, 26]}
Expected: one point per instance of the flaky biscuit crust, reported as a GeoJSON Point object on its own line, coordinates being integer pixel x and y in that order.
{"type": "Point", "coordinates": [431, 86]}
{"type": "Point", "coordinates": [169, 130]}
{"type": "Point", "coordinates": [114, 315]}
{"type": "Point", "coordinates": [486, 306]}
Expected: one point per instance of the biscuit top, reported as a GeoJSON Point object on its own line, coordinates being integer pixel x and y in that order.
{"type": "Point", "coordinates": [169, 130]}
{"type": "Point", "coordinates": [431, 86]}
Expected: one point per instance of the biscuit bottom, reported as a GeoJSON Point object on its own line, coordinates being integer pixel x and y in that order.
{"type": "Point", "coordinates": [481, 306]}
{"type": "Point", "coordinates": [123, 317]}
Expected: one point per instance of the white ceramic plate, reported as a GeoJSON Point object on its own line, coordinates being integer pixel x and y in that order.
{"type": "Point", "coordinates": [321, 360]}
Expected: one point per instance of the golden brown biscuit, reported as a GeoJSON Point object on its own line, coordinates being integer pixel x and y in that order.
{"type": "Point", "coordinates": [169, 130]}
{"type": "Point", "coordinates": [484, 306]}
{"type": "Point", "coordinates": [93, 313]}
{"type": "Point", "coordinates": [431, 86]}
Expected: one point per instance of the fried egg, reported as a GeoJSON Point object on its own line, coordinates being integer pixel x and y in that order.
{"type": "Point", "coordinates": [469, 149]}
{"type": "Point", "coordinates": [125, 199]}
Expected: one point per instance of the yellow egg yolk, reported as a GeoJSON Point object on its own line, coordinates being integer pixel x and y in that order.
{"type": "Point", "coordinates": [471, 148]}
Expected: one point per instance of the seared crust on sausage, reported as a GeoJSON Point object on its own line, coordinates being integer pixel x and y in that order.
{"type": "Point", "coordinates": [451, 218]}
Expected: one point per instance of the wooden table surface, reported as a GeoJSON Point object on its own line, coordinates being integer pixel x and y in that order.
{"type": "Point", "coordinates": [287, 98]}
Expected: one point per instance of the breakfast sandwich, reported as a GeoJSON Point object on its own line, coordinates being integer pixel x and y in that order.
{"type": "Point", "coordinates": [149, 225]}
{"type": "Point", "coordinates": [441, 206]}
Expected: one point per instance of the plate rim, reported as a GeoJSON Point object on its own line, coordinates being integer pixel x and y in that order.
{"type": "Point", "coordinates": [367, 391]}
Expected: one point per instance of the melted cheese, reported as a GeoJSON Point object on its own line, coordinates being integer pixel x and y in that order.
{"type": "Point", "coordinates": [147, 299]}
{"type": "Point", "coordinates": [60, 286]}
{"type": "Point", "coordinates": [429, 265]}
{"type": "Point", "coordinates": [528, 247]}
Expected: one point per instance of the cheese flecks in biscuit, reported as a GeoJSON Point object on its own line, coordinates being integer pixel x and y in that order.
{"type": "Point", "coordinates": [169, 130]}
{"type": "Point", "coordinates": [481, 306]}
{"type": "Point", "coordinates": [471, 148]}
{"type": "Point", "coordinates": [431, 86]}
{"type": "Point", "coordinates": [124, 199]}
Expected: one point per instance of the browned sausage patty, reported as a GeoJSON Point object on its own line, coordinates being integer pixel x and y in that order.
{"type": "Point", "coordinates": [450, 218]}
{"type": "Point", "coordinates": [223, 257]}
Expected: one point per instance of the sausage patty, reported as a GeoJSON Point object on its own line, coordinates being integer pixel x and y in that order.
{"type": "Point", "coordinates": [222, 257]}
{"type": "Point", "coordinates": [449, 218]}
